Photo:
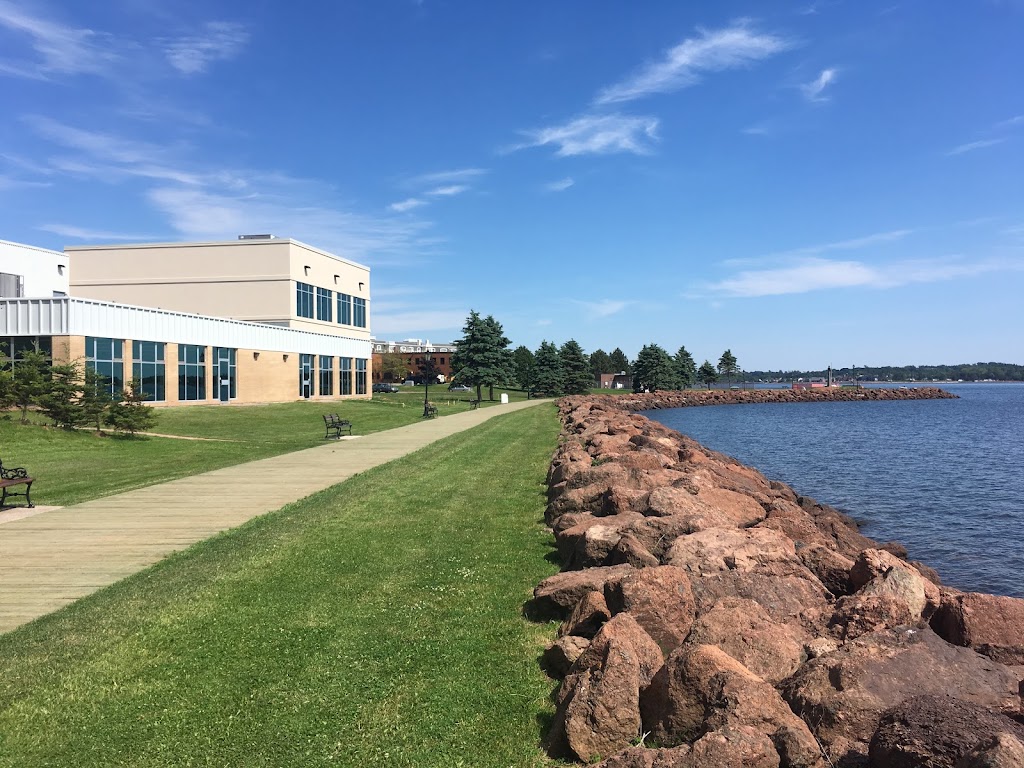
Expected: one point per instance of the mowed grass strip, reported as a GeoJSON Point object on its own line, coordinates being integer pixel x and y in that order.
{"type": "Point", "coordinates": [377, 623]}
{"type": "Point", "coordinates": [71, 467]}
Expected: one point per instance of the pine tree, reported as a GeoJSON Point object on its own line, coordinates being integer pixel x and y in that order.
{"type": "Point", "coordinates": [600, 363]}
{"type": "Point", "coordinates": [547, 370]}
{"type": "Point", "coordinates": [653, 369]}
{"type": "Point", "coordinates": [129, 413]}
{"type": "Point", "coordinates": [686, 369]}
{"type": "Point", "coordinates": [522, 361]}
{"type": "Point", "coordinates": [30, 380]}
{"type": "Point", "coordinates": [619, 362]}
{"type": "Point", "coordinates": [483, 358]}
{"type": "Point", "coordinates": [61, 400]}
{"type": "Point", "coordinates": [95, 398]}
{"type": "Point", "coordinates": [576, 378]}
{"type": "Point", "coordinates": [707, 373]}
{"type": "Point", "coordinates": [727, 365]}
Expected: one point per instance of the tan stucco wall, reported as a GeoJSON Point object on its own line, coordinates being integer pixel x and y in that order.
{"type": "Point", "coordinates": [245, 280]}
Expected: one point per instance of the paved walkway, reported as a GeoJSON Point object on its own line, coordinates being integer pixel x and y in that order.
{"type": "Point", "coordinates": [49, 560]}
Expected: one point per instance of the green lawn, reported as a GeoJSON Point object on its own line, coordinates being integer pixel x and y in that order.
{"type": "Point", "coordinates": [377, 623]}
{"type": "Point", "coordinates": [75, 467]}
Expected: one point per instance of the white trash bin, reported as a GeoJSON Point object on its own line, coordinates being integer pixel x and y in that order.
{"type": "Point", "coordinates": [504, 398]}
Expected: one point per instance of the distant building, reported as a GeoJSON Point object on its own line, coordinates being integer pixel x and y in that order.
{"type": "Point", "coordinates": [259, 319]}
{"type": "Point", "coordinates": [615, 381]}
{"type": "Point", "coordinates": [412, 352]}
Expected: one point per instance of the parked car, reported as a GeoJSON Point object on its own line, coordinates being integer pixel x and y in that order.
{"type": "Point", "coordinates": [385, 388]}
{"type": "Point", "coordinates": [459, 388]}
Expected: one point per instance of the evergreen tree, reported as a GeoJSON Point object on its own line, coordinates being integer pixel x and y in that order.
{"type": "Point", "coordinates": [522, 362]}
{"type": "Point", "coordinates": [61, 400]}
{"type": "Point", "coordinates": [686, 369]}
{"type": "Point", "coordinates": [95, 398]}
{"type": "Point", "coordinates": [6, 380]}
{"type": "Point", "coordinates": [619, 362]}
{"type": "Point", "coordinates": [30, 380]}
{"type": "Point", "coordinates": [600, 363]}
{"type": "Point", "coordinates": [653, 369]}
{"type": "Point", "coordinates": [727, 365]}
{"type": "Point", "coordinates": [482, 358]}
{"type": "Point", "coordinates": [547, 370]}
{"type": "Point", "coordinates": [129, 412]}
{"type": "Point", "coordinates": [576, 377]}
{"type": "Point", "coordinates": [707, 374]}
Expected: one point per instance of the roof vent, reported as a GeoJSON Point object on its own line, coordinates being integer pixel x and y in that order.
{"type": "Point", "coordinates": [255, 237]}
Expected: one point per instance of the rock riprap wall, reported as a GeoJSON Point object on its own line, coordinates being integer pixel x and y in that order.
{"type": "Point", "coordinates": [694, 397]}
{"type": "Point", "coordinates": [711, 617]}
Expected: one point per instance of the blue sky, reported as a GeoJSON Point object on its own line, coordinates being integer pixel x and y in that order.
{"type": "Point", "coordinates": [805, 183]}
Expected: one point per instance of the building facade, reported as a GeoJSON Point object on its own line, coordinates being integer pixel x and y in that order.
{"type": "Point", "coordinates": [29, 271]}
{"type": "Point", "coordinates": [293, 321]}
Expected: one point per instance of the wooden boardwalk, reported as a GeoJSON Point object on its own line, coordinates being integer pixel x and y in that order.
{"type": "Point", "coordinates": [51, 559]}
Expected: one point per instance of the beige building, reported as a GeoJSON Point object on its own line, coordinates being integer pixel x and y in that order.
{"type": "Point", "coordinates": [254, 320]}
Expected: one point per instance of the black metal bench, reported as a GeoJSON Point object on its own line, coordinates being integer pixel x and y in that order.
{"type": "Point", "coordinates": [474, 404]}
{"type": "Point", "coordinates": [12, 477]}
{"type": "Point", "coordinates": [429, 411]}
{"type": "Point", "coordinates": [335, 426]}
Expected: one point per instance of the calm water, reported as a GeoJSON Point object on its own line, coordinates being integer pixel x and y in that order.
{"type": "Point", "coordinates": [944, 477]}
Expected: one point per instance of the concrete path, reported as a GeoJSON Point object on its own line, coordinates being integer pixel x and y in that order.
{"type": "Point", "coordinates": [49, 560]}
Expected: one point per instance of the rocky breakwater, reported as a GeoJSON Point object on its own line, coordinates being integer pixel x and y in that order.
{"type": "Point", "coordinates": [711, 617]}
{"type": "Point", "coordinates": [696, 397]}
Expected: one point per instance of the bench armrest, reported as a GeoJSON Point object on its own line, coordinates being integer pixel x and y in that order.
{"type": "Point", "coordinates": [14, 473]}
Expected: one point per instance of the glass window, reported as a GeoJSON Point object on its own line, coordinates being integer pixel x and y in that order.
{"type": "Point", "coordinates": [105, 356]}
{"type": "Point", "coordinates": [323, 304]}
{"type": "Point", "coordinates": [303, 299]}
{"type": "Point", "coordinates": [326, 375]}
{"type": "Point", "coordinates": [359, 312]}
{"type": "Point", "coordinates": [224, 362]}
{"type": "Point", "coordinates": [360, 376]}
{"type": "Point", "coordinates": [191, 372]}
{"type": "Point", "coordinates": [13, 347]}
{"type": "Point", "coordinates": [305, 375]}
{"type": "Point", "coordinates": [345, 376]}
{"type": "Point", "coordinates": [344, 309]}
{"type": "Point", "coordinates": [148, 368]}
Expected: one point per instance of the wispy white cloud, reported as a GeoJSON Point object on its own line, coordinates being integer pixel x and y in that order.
{"type": "Point", "coordinates": [408, 204]}
{"type": "Point", "coordinates": [971, 146]}
{"type": "Point", "coordinates": [454, 176]}
{"type": "Point", "coordinates": [816, 274]}
{"type": "Point", "coordinates": [448, 191]}
{"type": "Point", "coordinates": [711, 51]}
{"type": "Point", "coordinates": [559, 186]}
{"type": "Point", "coordinates": [60, 49]}
{"type": "Point", "coordinates": [1011, 122]}
{"type": "Point", "coordinates": [82, 233]}
{"type": "Point", "coordinates": [216, 41]}
{"type": "Point", "coordinates": [599, 309]}
{"type": "Point", "coordinates": [13, 182]}
{"type": "Point", "coordinates": [596, 134]}
{"type": "Point", "coordinates": [813, 91]}
{"type": "Point", "coordinates": [850, 244]}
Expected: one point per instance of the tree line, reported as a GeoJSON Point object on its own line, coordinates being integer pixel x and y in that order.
{"type": "Point", "coordinates": [483, 359]}
{"type": "Point", "coordinates": [71, 395]}
{"type": "Point", "coordinates": [965, 371]}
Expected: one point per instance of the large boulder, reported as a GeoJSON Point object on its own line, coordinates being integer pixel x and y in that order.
{"type": "Point", "coordinates": [630, 550]}
{"type": "Point", "coordinates": [587, 617]}
{"type": "Point", "coordinates": [831, 568]}
{"type": "Point", "coordinates": [597, 708]}
{"type": "Point", "coordinates": [730, 549]}
{"type": "Point", "coordinates": [879, 572]}
{"type": "Point", "coordinates": [861, 614]}
{"type": "Point", "coordinates": [559, 657]}
{"type": "Point", "coordinates": [844, 693]}
{"type": "Point", "coordinates": [787, 591]}
{"type": "Point", "coordinates": [1002, 751]}
{"type": "Point", "coordinates": [935, 732]}
{"type": "Point", "coordinates": [743, 629]}
{"type": "Point", "coordinates": [990, 624]}
{"type": "Point", "coordinates": [591, 540]}
{"type": "Point", "coordinates": [557, 595]}
{"type": "Point", "coordinates": [701, 689]}
{"type": "Point", "coordinates": [661, 601]}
